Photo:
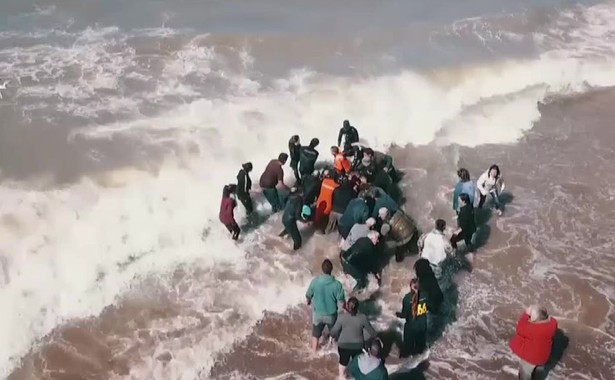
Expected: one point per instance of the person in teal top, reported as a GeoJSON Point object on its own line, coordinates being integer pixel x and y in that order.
{"type": "Point", "coordinates": [369, 365]}
{"type": "Point", "coordinates": [326, 295]}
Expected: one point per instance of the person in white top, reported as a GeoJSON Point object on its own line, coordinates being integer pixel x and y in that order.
{"type": "Point", "coordinates": [491, 182]}
{"type": "Point", "coordinates": [435, 247]}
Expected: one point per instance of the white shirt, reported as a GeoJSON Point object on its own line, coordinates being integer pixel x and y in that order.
{"type": "Point", "coordinates": [435, 247]}
{"type": "Point", "coordinates": [485, 183]}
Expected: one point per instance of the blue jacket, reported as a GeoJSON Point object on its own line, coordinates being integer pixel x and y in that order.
{"type": "Point", "coordinates": [461, 188]}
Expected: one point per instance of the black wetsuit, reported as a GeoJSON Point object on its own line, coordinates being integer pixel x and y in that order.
{"type": "Point", "coordinates": [467, 223]}
{"type": "Point", "coordinates": [294, 150]}
{"type": "Point", "coordinates": [415, 328]}
{"type": "Point", "coordinates": [244, 185]}
{"type": "Point", "coordinates": [342, 196]}
{"type": "Point", "coordinates": [359, 260]}
{"type": "Point", "coordinates": [307, 160]}
{"type": "Point", "coordinates": [292, 213]}
{"type": "Point", "coordinates": [311, 188]}
{"type": "Point", "coordinates": [350, 135]}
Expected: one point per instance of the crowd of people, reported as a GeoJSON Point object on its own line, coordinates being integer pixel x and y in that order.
{"type": "Point", "coordinates": [353, 196]}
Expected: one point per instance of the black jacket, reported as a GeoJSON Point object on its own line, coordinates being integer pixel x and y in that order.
{"type": "Point", "coordinates": [294, 150]}
{"type": "Point", "coordinates": [307, 159]}
{"type": "Point", "coordinates": [342, 196]}
{"type": "Point", "coordinates": [244, 183]}
{"type": "Point", "coordinates": [352, 136]}
{"type": "Point", "coordinates": [292, 211]}
{"type": "Point", "coordinates": [465, 219]}
{"type": "Point", "coordinates": [362, 254]}
{"type": "Point", "coordinates": [311, 188]}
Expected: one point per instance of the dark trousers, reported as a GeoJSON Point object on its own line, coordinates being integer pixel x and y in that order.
{"type": "Point", "coordinates": [273, 197]}
{"type": "Point", "coordinates": [466, 237]}
{"type": "Point", "coordinates": [290, 227]}
{"type": "Point", "coordinates": [415, 340]}
{"type": "Point", "coordinates": [294, 166]}
{"type": "Point", "coordinates": [356, 273]}
{"type": "Point", "coordinates": [496, 199]}
{"type": "Point", "coordinates": [234, 229]}
{"type": "Point", "coordinates": [343, 230]}
{"type": "Point", "coordinates": [246, 200]}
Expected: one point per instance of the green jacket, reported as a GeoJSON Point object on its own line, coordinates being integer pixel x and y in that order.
{"type": "Point", "coordinates": [326, 293]}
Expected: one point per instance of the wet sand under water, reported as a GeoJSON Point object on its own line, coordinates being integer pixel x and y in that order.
{"type": "Point", "coordinates": [548, 248]}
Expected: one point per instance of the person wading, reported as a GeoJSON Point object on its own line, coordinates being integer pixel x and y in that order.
{"type": "Point", "coordinates": [465, 222]}
{"type": "Point", "coordinates": [226, 215]}
{"type": "Point", "coordinates": [244, 187]}
{"type": "Point", "coordinates": [294, 149]}
{"type": "Point", "coordinates": [272, 181]}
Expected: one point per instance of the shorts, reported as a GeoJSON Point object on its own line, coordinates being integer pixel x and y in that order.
{"type": "Point", "coordinates": [346, 355]}
{"type": "Point", "coordinates": [320, 321]}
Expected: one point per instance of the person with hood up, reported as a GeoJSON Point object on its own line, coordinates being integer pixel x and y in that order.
{"type": "Point", "coordinates": [424, 297]}
{"type": "Point", "coordinates": [491, 182]}
{"type": "Point", "coordinates": [369, 365]}
{"type": "Point", "coordinates": [294, 212]}
{"type": "Point", "coordinates": [349, 331]}
{"type": "Point", "coordinates": [294, 148]}
{"type": "Point", "coordinates": [357, 211]}
{"type": "Point", "coordinates": [349, 135]}
{"type": "Point", "coordinates": [361, 259]}
{"type": "Point", "coordinates": [244, 187]}
{"type": "Point", "coordinates": [341, 164]}
{"type": "Point", "coordinates": [226, 214]}
{"type": "Point", "coordinates": [307, 157]}
{"type": "Point", "coordinates": [466, 223]}
{"type": "Point", "coordinates": [272, 182]}
{"type": "Point", "coordinates": [464, 186]}
{"type": "Point", "coordinates": [324, 204]}
{"type": "Point", "coordinates": [435, 247]}
{"type": "Point", "coordinates": [326, 295]}
{"type": "Point", "coordinates": [533, 340]}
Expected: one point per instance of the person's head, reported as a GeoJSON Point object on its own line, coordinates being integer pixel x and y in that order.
{"type": "Point", "coordinates": [463, 174]}
{"type": "Point", "coordinates": [352, 306]}
{"type": "Point", "coordinates": [346, 124]}
{"type": "Point", "coordinates": [375, 349]}
{"type": "Point", "coordinates": [294, 139]}
{"type": "Point", "coordinates": [226, 191]}
{"type": "Point", "coordinates": [494, 171]}
{"type": "Point", "coordinates": [327, 266]}
{"type": "Point", "coordinates": [370, 222]}
{"type": "Point", "coordinates": [537, 313]}
{"type": "Point", "coordinates": [366, 161]}
{"type": "Point", "coordinates": [335, 150]}
{"type": "Point", "coordinates": [440, 225]}
{"type": "Point", "coordinates": [247, 167]}
{"type": "Point", "coordinates": [423, 270]}
{"type": "Point", "coordinates": [368, 152]}
{"type": "Point", "coordinates": [464, 198]}
{"type": "Point", "coordinates": [363, 179]}
{"type": "Point", "coordinates": [374, 236]}
{"type": "Point", "coordinates": [383, 213]}
{"type": "Point", "coordinates": [283, 157]}
{"type": "Point", "coordinates": [314, 142]}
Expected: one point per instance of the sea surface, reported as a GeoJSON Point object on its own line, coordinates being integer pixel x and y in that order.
{"type": "Point", "coordinates": [121, 121]}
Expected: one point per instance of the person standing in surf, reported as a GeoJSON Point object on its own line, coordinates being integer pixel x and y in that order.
{"type": "Point", "coordinates": [424, 297]}
{"type": "Point", "coordinates": [369, 365]}
{"type": "Point", "coordinates": [533, 340]}
{"type": "Point", "coordinates": [244, 187]}
{"type": "Point", "coordinates": [465, 222]}
{"type": "Point", "coordinates": [326, 295]}
{"type": "Point", "coordinates": [272, 182]}
{"type": "Point", "coordinates": [464, 186]}
{"type": "Point", "coordinates": [294, 212]}
{"type": "Point", "coordinates": [491, 182]}
{"type": "Point", "coordinates": [435, 247]}
{"type": "Point", "coordinates": [226, 214]}
{"type": "Point", "coordinates": [349, 135]}
{"type": "Point", "coordinates": [360, 259]}
{"type": "Point", "coordinates": [307, 158]}
{"type": "Point", "coordinates": [349, 331]}
{"type": "Point", "coordinates": [294, 148]}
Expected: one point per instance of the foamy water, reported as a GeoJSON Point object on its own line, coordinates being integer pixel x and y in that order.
{"type": "Point", "coordinates": [72, 250]}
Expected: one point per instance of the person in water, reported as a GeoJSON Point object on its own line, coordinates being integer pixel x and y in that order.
{"type": "Point", "coordinates": [341, 163]}
{"type": "Point", "coordinates": [272, 182]}
{"type": "Point", "coordinates": [358, 231]}
{"type": "Point", "coordinates": [424, 297]}
{"type": "Point", "coordinates": [227, 215]}
{"type": "Point", "coordinates": [360, 259]}
{"type": "Point", "coordinates": [435, 247]}
{"type": "Point", "coordinates": [307, 157]}
{"type": "Point", "coordinates": [294, 212]}
{"type": "Point", "coordinates": [294, 148]}
{"type": "Point", "coordinates": [464, 186]}
{"type": "Point", "coordinates": [357, 211]}
{"type": "Point", "coordinates": [326, 295]}
{"type": "Point", "coordinates": [244, 187]}
{"type": "Point", "coordinates": [491, 182]}
{"type": "Point", "coordinates": [533, 341]}
{"type": "Point", "coordinates": [349, 135]}
{"type": "Point", "coordinates": [349, 331]}
{"type": "Point", "coordinates": [311, 184]}
{"type": "Point", "coordinates": [369, 365]}
{"type": "Point", "coordinates": [466, 224]}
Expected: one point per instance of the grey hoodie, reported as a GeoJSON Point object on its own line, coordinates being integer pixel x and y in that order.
{"type": "Point", "coordinates": [348, 330]}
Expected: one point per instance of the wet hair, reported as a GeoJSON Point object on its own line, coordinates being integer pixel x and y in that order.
{"type": "Point", "coordinates": [335, 150]}
{"type": "Point", "coordinates": [368, 151]}
{"type": "Point", "coordinates": [294, 138]}
{"type": "Point", "coordinates": [346, 124]}
{"type": "Point", "coordinates": [327, 266]}
{"type": "Point", "coordinates": [226, 191]}
{"type": "Point", "coordinates": [497, 169]}
{"type": "Point", "coordinates": [247, 166]}
{"type": "Point", "coordinates": [440, 225]}
{"type": "Point", "coordinates": [375, 349]}
{"type": "Point", "coordinates": [463, 174]}
{"type": "Point", "coordinates": [427, 281]}
{"type": "Point", "coordinates": [352, 305]}
{"type": "Point", "coordinates": [283, 157]}
{"type": "Point", "coordinates": [465, 198]}
{"type": "Point", "coordinates": [314, 142]}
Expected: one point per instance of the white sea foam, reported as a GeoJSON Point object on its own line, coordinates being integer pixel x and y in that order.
{"type": "Point", "coordinates": [56, 245]}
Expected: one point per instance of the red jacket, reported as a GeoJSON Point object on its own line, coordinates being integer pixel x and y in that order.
{"type": "Point", "coordinates": [534, 340]}
{"type": "Point", "coordinates": [227, 205]}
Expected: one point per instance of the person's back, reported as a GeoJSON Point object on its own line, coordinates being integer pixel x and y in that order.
{"type": "Point", "coordinates": [361, 254]}
{"type": "Point", "coordinates": [349, 330]}
{"type": "Point", "coordinates": [292, 210]}
{"type": "Point", "coordinates": [226, 215]}
{"type": "Point", "coordinates": [325, 198]}
{"type": "Point", "coordinates": [358, 231]}
{"type": "Point", "coordinates": [356, 212]}
{"type": "Point", "coordinates": [326, 292]}
{"type": "Point", "coordinates": [342, 197]}
{"type": "Point", "coordinates": [466, 219]}
{"type": "Point", "coordinates": [434, 245]}
{"type": "Point", "coordinates": [307, 157]}
{"type": "Point", "coordinates": [533, 341]}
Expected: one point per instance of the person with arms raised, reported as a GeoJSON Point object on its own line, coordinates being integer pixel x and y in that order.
{"type": "Point", "coordinates": [272, 182]}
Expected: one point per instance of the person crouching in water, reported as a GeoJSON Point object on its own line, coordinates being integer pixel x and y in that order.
{"type": "Point", "coordinates": [369, 365]}
{"type": "Point", "coordinates": [360, 259]}
{"type": "Point", "coordinates": [491, 182]}
{"type": "Point", "coordinates": [424, 297]}
{"type": "Point", "coordinates": [349, 331]}
{"type": "Point", "coordinates": [227, 212]}
{"type": "Point", "coordinates": [435, 247]}
{"type": "Point", "coordinates": [533, 341]}
{"type": "Point", "coordinates": [465, 222]}
{"type": "Point", "coordinates": [294, 212]}
{"type": "Point", "coordinates": [326, 294]}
